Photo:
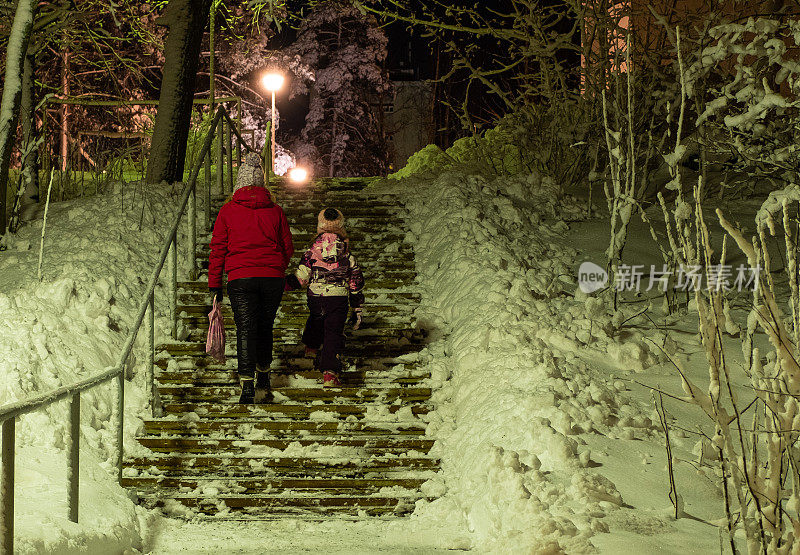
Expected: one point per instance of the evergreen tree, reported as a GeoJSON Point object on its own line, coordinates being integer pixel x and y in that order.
{"type": "Point", "coordinates": [344, 133]}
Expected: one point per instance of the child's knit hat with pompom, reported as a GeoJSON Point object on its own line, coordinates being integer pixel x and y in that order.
{"type": "Point", "coordinates": [250, 172]}
{"type": "Point", "coordinates": [331, 220]}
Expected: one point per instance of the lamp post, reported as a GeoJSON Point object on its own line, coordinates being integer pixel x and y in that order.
{"type": "Point", "coordinates": [272, 82]}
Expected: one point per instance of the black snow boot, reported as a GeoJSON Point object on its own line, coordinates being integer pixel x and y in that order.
{"type": "Point", "coordinates": [248, 392]}
{"type": "Point", "coordinates": [263, 389]}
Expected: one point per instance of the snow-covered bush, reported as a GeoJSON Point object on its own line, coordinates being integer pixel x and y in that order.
{"type": "Point", "coordinates": [430, 158]}
{"type": "Point", "coordinates": [754, 458]}
{"type": "Point", "coordinates": [761, 456]}
{"type": "Point", "coordinates": [747, 81]}
{"type": "Point", "coordinates": [546, 140]}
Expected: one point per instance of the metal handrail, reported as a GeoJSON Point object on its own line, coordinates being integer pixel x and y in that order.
{"type": "Point", "coordinates": [9, 413]}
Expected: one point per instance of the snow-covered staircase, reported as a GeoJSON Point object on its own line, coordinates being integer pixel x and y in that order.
{"type": "Point", "coordinates": [356, 450]}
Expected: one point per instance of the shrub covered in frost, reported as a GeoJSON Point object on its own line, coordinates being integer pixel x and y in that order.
{"type": "Point", "coordinates": [747, 81]}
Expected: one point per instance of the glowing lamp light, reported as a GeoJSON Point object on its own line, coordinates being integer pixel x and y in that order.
{"type": "Point", "coordinates": [298, 175]}
{"type": "Point", "coordinates": [272, 81]}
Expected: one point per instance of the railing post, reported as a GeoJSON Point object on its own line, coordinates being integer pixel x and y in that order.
{"type": "Point", "coordinates": [173, 286]}
{"type": "Point", "coordinates": [229, 144]}
{"type": "Point", "coordinates": [151, 349]}
{"type": "Point", "coordinates": [193, 229]}
{"type": "Point", "coordinates": [239, 127]}
{"type": "Point", "coordinates": [121, 422]}
{"type": "Point", "coordinates": [208, 191]}
{"type": "Point", "coordinates": [74, 462]}
{"type": "Point", "coordinates": [7, 487]}
{"type": "Point", "coordinates": [239, 145]}
{"type": "Point", "coordinates": [220, 138]}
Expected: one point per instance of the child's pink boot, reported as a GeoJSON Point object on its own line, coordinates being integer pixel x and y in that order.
{"type": "Point", "coordinates": [330, 379]}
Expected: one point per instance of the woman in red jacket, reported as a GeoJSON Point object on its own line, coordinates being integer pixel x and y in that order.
{"type": "Point", "coordinates": [251, 243]}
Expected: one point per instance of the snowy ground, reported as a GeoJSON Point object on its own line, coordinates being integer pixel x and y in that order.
{"type": "Point", "coordinates": [297, 536]}
{"type": "Point", "coordinates": [645, 489]}
{"type": "Point", "coordinates": [67, 327]}
{"type": "Point", "coordinates": [547, 440]}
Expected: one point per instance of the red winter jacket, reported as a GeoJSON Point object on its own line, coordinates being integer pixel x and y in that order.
{"type": "Point", "coordinates": [251, 238]}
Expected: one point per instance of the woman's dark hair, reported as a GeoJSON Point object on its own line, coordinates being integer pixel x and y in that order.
{"type": "Point", "coordinates": [331, 214]}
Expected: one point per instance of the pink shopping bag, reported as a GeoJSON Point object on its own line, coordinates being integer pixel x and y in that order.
{"type": "Point", "coordinates": [215, 342]}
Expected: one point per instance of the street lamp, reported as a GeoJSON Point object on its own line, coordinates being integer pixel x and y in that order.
{"type": "Point", "coordinates": [272, 82]}
{"type": "Point", "coordinates": [298, 175]}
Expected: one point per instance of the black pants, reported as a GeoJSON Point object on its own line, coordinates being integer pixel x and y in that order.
{"type": "Point", "coordinates": [325, 327]}
{"type": "Point", "coordinates": [255, 302]}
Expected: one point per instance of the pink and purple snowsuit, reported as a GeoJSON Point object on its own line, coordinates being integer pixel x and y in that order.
{"type": "Point", "coordinates": [334, 281]}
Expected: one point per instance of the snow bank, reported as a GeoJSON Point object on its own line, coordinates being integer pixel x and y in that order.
{"type": "Point", "coordinates": [515, 393]}
{"type": "Point", "coordinates": [71, 326]}
{"type": "Point", "coordinates": [429, 158]}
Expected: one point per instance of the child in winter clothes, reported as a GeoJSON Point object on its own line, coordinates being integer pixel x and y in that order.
{"type": "Point", "coordinates": [334, 280]}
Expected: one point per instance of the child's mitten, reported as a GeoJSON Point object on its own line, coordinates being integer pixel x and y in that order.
{"type": "Point", "coordinates": [355, 319]}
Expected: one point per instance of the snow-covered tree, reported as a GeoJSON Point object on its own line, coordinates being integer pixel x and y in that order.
{"type": "Point", "coordinates": [185, 20]}
{"type": "Point", "coordinates": [344, 133]}
{"type": "Point", "coordinates": [748, 82]}
{"type": "Point", "coordinates": [12, 92]}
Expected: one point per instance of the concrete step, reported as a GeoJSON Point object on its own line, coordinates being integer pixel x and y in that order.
{"type": "Point", "coordinates": [174, 393]}
{"type": "Point", "coordinates": [306, 220]}
{"type": "Point", "coordinates": [152, 486]}
{"type": "Point", "coordinates": [289, 334]}
{"type": "Point", "coordinates": [386, 349]}
{"type": "Point", "coordinates": [373, 261]}
{"type": "Point", "coordinates": [249, 465]}
{"type": "Point", "coordinates": [366, 445]}
{"type": "Point", "coordinates": [279, 428]}
{"type": "Point", "coordinates": [293, 507]}
{"type": "Point", "coordinates": [295, 364]}
{"type": "Point", "coordinates": [202, 287]}
{"type": "Point", "coordinates": [304, 232]}
{"type": "Point", "coordinates": [376, 277]}
{"type": "Point", "coordinates": [343, 200]}
{"type": "Point", "coordinates": [204, 377]}
{"type": "Point", "coordinates": [355, 217]}
{"type": "Point", "coordinates": [376, 285]}
{"type": "Point", "coordinates": [213, 411]}
{"type": "Point", "coordinates": [378, 255]}
{"type": "Point", "coordinates": [198, 304]}
{"type": "Point", "coordinates": [288, 323]}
